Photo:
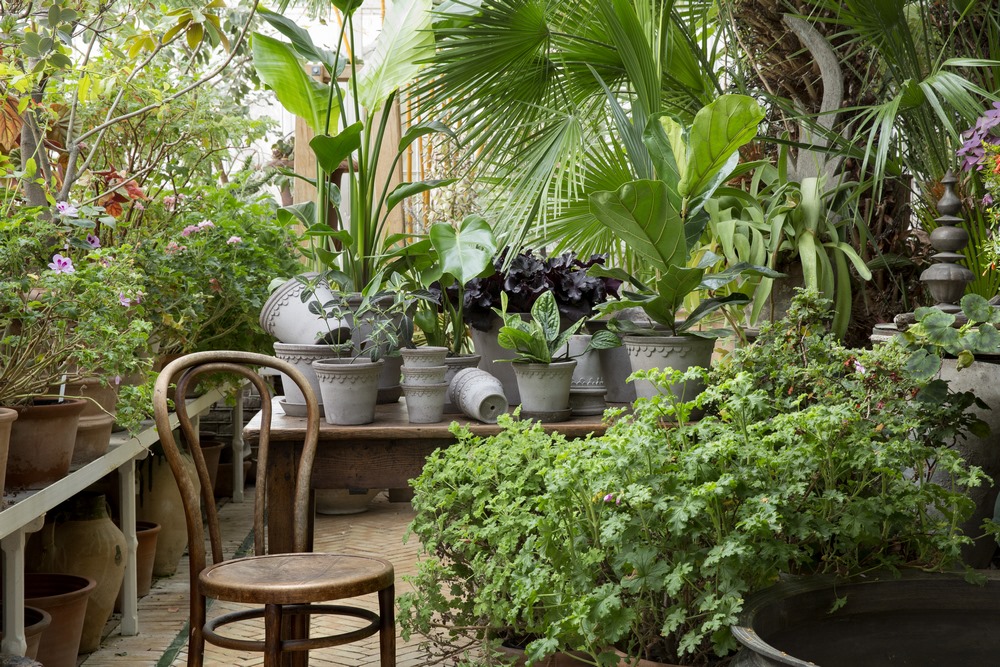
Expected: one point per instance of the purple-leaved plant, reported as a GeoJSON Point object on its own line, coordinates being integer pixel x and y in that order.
{"type": "Point", "coordinates": [972, 151]}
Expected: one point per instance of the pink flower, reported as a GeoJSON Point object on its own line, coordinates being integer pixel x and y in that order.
{"type": "Point", "coordinates": [139, 206]}
{"type": "Point", "coordinates": [169, 202]}
{"type": "Point", "coordinates": [234, 240]}
{"type": "Point", "coordinates": [987, 199]}
{"type": "Point", "coordinates": [206, 223]}
{"type": "Point", "coordinates": [93, 241]}
{"type": "Point", "coordinates": [190, 229]}
{"type": "Point", "coordinates": [215, 284]}
{"type": "Point", "coordinates": [174, 247]}
{"type": "Point", "coordinates": [118, 379]}
{"type": "Point", "coordinates": [124, 300]}
{"type": "Point", "coordinates": [61, 264]}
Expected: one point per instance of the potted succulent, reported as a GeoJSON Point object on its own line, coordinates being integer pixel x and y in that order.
{"type": "Point", "coordinates": [661, 220]}
{"type": "Point", "coordinates": [542, 366]}
{"type": "Point", "coordinates": [524, 278]}
{"type": "Point", "coordinates": [812, 458]}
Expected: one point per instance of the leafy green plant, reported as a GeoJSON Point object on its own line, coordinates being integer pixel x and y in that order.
{"type": "Point", "coordinates": [360, 249]}
{"type": "Point", "coordinates": [661, 220]}
{"type": "Point", "coordinates": [937, 333]}
{"type": "Point", "coordinates": [811, 458]}
{"type": "Point", "coordinates": [541, 340]}
{"type": "Point", "coordinates": [460, 255]}
{"type": "Point", "coordinates": [79, 316]}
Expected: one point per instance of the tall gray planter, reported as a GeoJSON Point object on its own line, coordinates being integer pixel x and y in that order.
{"type": "Point", "coordinates": [677, 352]}
{"type": "Point", "coordinates": [981, 379]}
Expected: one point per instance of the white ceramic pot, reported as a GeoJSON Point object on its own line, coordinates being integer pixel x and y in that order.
{"type": "Point", "coordinates": [423, 356]}
{"type": "Point", "coordinates": [425, 403]}
{"type": "Point", "coordinates": [586, 393]}
{"type": "Point", "coordinates": [288, 319]}
{"type": "Point", "coordinates": [677, 352]}
{"type": "Point", "coordinates": [477, 394]}
{"type": "Point", "coordinates": [456, 365]}
{"type": "Point", "coordinates": [302, 357]}
{"type": "Point", "coordinates": [349, 388]}
{"type": "Point", "coordinates": [424, 375]}
{"type": "Point", "coordinates": [545, 388]}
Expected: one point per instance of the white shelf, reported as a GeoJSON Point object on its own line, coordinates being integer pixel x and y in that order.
{"type": "Point", "coordinates": [25, 510]}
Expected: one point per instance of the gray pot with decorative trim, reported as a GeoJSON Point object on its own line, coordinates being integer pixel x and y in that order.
{"type": "Point", "coordinates": [587, 390]}
{"type": "Point", "coordinates": [425, 402]}
{"type": "Point", "coordinates": [676, 352]}
{"type": "Point", "coordinates": [349, 388]}
{"type": "Point", "coordinates": [302, 357]}
{"type": "Point", "coordinates": [425, 355]}
{"type": "Point", "coordinates": [423, 375]}
{"type": "Point", "coordinates": [544, 389]}
{"type": "Point", "coordinates": [477, 394]}
{"type": "Point", "coordinates": [288, 319]}
{"type": "Point", "coordinates": [455, 365]}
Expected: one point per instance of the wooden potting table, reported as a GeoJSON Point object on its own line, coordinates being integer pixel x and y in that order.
{"type": "Point", "coordinates": [385, 454]}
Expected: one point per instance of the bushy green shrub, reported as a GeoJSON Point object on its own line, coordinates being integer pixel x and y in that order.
{"type": "Point", "coordinates": [811, 458]}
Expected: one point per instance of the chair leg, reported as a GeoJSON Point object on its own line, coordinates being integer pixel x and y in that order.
{"type": "Point", "coordinates": [387, 628]}
{"type": "Point", "coordinates": [196, 627]}
{"type": "Point", "coordinates": [272, 635]}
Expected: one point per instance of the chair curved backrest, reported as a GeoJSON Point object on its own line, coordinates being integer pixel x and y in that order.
{"type": "Point", "coordinates": [190, 367]}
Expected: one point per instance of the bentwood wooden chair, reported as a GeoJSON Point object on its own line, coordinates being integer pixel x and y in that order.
{"type": "Point", "coordinates": [288, 587]}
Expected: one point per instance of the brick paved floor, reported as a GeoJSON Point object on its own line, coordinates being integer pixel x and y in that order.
{"type": "Point", "coordinates": [163, 613]}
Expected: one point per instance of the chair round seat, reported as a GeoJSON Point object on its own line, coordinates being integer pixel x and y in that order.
{"type": "Point", "coordinates": [295, 578]}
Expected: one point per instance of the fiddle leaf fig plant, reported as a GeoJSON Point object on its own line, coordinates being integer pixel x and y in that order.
{"type": "Point", "coordinates": [539, 340]}
{"type": "Point", "coordinates": [937, 333]}
{"type": "Point", "coordinates": [661, 219]}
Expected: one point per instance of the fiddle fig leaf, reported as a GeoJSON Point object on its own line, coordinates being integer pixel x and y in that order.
{"type": "Point", "coordinates": [331, 151]}
{"type": "Point", "coordinates": [718, 132]}
{"type": "Point", "coordinates": [640, 213]}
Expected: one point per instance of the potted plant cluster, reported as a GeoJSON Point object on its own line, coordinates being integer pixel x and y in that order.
{"type": "Point", "coordinates": [523, 279]}
{"type": "Point", "coordinates": [67, 311]}
{"type": "Point", "coordinates": [810, 459]}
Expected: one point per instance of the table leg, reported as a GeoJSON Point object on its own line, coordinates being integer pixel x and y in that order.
{"type": "Point", "coordinates": [12, 547]}
{"type": "Point", "coordinates": [126, 510]}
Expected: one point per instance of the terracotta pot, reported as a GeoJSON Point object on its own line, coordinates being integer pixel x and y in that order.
{"type": "Point", "coordinates": [35, 623]}
{"type": "Point", "coordinates": [211, 450]}
{"type": "Point", "coordinates": [41, 443]}
{"type": "Point", "coordinates": [84, 541]}
{"type": "Point", "coordinates": [145, 553]}
{"type": "Point", "coordinates": [93, 434]}
{"type": "Point", "coordinates": [7, 417]}
{"type": "Point", "coordinates": [159, 501]}
{"type": "Point", "coordinates": [224, 481]}
{"type": "Point", "coordinates": [64, 597]}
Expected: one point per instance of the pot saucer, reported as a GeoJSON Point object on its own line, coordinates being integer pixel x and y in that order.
{"type": "Point", "coordinates": [296, 409]}
{"type": "Point", "coordinates": [548, 417]}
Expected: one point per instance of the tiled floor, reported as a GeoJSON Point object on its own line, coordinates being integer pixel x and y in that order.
{"type": "Point", "coordinates": [162, 614]}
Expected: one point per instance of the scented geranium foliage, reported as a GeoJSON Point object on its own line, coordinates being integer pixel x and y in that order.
{"type": "Point", "coordinates": [208, 274]}
{"type": "Point", "coordinates": [811, 458]}
{"type": "Point", "coordinates": [77, 314]}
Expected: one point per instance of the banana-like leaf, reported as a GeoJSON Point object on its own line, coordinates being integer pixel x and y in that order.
{"type": "Point", "coordinates": [404, 45]}
{"type": "Point", "coordinates": [302, 42]}
{"type": "Point", "coordinates": [279, 67]}
{"type": "Point", "coordinates": [404, 190]}
{"type": "Point", "coordinates": [641, 215]}
{"type": "Point", "coordinates": [423, 129]}
{"type": "Point", "coordinates": [708, 306]}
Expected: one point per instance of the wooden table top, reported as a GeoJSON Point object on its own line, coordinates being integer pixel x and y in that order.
{"type": "Point", "coordinates": [391, 424]}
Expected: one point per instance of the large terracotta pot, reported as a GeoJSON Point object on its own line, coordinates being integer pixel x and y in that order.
{"type": "Point", "coordinates": [97, 420]}
{"type": "Point", "coordinates": [64, 597]}
{"type": "Point", "coordinates": [146, 533]}
{"type": "Point", "coordinates": [159, 501]}
{"type": "Point", "coordinates": [7, 417]}
{"type": "Point", "coordinates": [41, 443]}
{"type": "Point", "coordinates": [36, 621]}
{"type": "Point", "coordinates": [84, 541]}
